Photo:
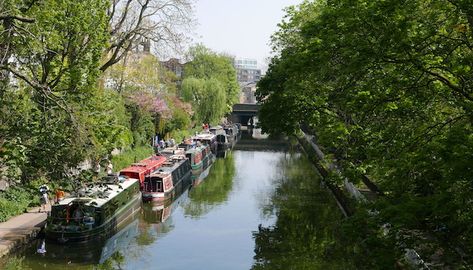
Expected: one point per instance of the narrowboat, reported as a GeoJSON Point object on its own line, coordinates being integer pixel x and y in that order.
{"type": "Point", "coordinates": [232, 133]}
{"type": "Point", "coordinates": [223, 142]}
{"type": "Point", "coordinates": [97, 253]}
{"type": "Point", "coordinates": [161, 184]}
{"type": "Point", "coordinates": [195, 157]}
{"type": "Point", "coordinates": [144, 167]}
{"type": "Point", "coordinates": [159, 212]}
{"type": "Point", "coordinates": [94, 211]}
{"type": "Point", "coordinates": [207, 139]}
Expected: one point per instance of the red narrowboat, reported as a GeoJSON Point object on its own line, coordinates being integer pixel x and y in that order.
{"type": "Point", "coordinates": [143, 168]}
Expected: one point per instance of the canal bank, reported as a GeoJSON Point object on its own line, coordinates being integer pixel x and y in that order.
{"type": "Point", "coordinates": [20, 230]}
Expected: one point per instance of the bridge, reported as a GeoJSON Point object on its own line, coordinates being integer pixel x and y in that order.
{"type": "Point", "coordinates": [244, 113]}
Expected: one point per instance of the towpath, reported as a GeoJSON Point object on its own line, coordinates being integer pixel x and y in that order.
{"type": "Point", "coordinates": [21, 229]}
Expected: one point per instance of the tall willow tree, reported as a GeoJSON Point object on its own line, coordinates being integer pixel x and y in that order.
{"type": "Point", "coordinates": [210, 84]}
{"type": "Point", "coordinates": [388, 88]}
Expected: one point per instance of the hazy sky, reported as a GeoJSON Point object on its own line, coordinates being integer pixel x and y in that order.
{"type": "Point", "coordinates": [239, 27]}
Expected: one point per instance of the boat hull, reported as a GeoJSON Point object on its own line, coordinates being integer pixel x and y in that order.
{"type": "Point", "coordinates": [106, 229]}
{"type": "Point", "coordinates": [167, 195]}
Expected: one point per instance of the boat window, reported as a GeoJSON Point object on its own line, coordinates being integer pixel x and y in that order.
{"type": "Point", "coordinates": [154, 184]}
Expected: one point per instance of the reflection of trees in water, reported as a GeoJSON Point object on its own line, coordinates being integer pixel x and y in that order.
{"type": "Point", "coordinates": [114, 262]}
{"type": "Point", "coordinates": [214, 190]}
{"type": "Point", "coordinates": [305, 235]}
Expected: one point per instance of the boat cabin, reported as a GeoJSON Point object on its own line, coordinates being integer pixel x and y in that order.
{"type": "Point", "coordinates": [143, 168]}
{"type": "Point", "coordinates": [207, 139]}
{"type": "Point", "coordinates": [169, 175]}
{"type": "Point", "coordinates": [91, 207]}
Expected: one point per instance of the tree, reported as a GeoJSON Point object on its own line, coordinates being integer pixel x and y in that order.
{"type": "Point", "coordinates": [52, 66]}
{"type": "Point", "coordinates": [210, 84]}
{"type": "Point", "coordinates": [135, 23]}
{"type": "Point", "coordinates": [206, 64]}
{"type": "Point", "coordinates": [151, 97]}
{"type": "Point", "coordinates": [386, 85]}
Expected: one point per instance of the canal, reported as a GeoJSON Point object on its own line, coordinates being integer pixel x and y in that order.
{"type": "Point", "coordinates": [260, 207]}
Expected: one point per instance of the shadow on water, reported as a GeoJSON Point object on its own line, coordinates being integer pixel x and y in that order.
{"type": "Point", "coordinates": [253, 140]}
{"type": "Point", "coordinates": [307, 228]}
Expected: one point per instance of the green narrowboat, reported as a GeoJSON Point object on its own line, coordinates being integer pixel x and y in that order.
{"type": "Point", "coordinates": [95, 211]}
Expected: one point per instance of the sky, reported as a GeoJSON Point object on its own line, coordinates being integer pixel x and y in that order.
{"type": "Point", "coordinates": [239, 27]}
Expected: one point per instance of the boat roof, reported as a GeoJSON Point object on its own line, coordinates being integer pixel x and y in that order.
{"type": "Point", "coordinates": [204, 136]}
{"type": "Point", "coordinates": [169, 166]}
{"type": "Point", "coordinates": [215, 127]}
{"type": "Point", "coordinates": [98, 194]}
{"type": "Point", "coordinates": [145, 164]}
{"type": "Point", "coordinates": [173, 151]}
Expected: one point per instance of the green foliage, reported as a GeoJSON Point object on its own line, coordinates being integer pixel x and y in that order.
{"type": "Point", "coordinates": [207, 97]}
{"type": "Point", "coordinates": [387, 87]}
{"type": "Point", "coordinates": [53, 127]}
{"type": "Point", "coordinates": [150, 95]}
{"type": "Point", "coordinates": [15, 201]}
{"type": "Point", "coordinates": [210, 84]}
{"type": "Point", "coordinates": [130, 156]}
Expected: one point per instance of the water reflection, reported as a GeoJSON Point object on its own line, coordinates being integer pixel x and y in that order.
{"type": "Point", "coordinates": [44, 254]}
{"type": "Point", "coordinates": [215, 189]}
{"type": "Point", "coordinates": [305, 233]}
{"type": "Point", "coordinates": [256, 209]}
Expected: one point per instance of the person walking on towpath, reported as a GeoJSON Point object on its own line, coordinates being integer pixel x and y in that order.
{"type": "Point", "coordinates": [43, 190]}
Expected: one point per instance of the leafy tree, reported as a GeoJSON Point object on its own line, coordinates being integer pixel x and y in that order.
{"type": "Point", "coordinates": [386, 85]}
{"type": "Point", "coordinates": [208, 98]}
{"type": "Point", "coordinates": [218, 70]}
{"type": "Point", "coordinates": [151, 98]}
{"type": "Point", "coordinates": [53, 66]}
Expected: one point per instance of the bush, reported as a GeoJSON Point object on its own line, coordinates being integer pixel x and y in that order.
{"type": "Point", "coordinates": [128, 157]}
{"type": "Point", "coordinates": [15, 201]}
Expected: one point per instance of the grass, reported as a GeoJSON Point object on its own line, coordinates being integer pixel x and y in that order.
{"type": "Point", "coordinates": [128, 157]}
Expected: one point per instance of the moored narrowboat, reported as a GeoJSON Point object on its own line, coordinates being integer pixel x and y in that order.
{"type": "Point", "coordinates": [223, 142]}
{"type": "Point", "coordinates": [209, 139]}
{"type": "Point", "coordinates": [144, 167]}
{"type": "Point", "coordinates": [232, 133]}
{"type": "Point", "coordinates": [95, 211]}
{"type": "Point", "coordinates": [195, 157]}
{"type": "Point", "coordinates": [161, 184]}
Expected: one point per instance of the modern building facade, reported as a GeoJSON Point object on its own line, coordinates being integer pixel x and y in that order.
{"type": "Point", "coordinates": [247, 70]}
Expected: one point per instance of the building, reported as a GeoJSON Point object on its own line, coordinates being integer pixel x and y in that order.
{"type": "Point", "coordinates": [175, 66]}
{"type": "Point", "coordinates": [247, 93]}
{"type": "Point", "coordinates": [247, 70]}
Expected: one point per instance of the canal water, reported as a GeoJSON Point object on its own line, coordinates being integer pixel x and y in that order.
{"type": "Point", "coordinates": [262, 206]}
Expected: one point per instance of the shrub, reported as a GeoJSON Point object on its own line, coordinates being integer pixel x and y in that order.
{"type": "Point", "coordinates": [15, 201]}
{"type": "Point", "coordinates": [128, 157]}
